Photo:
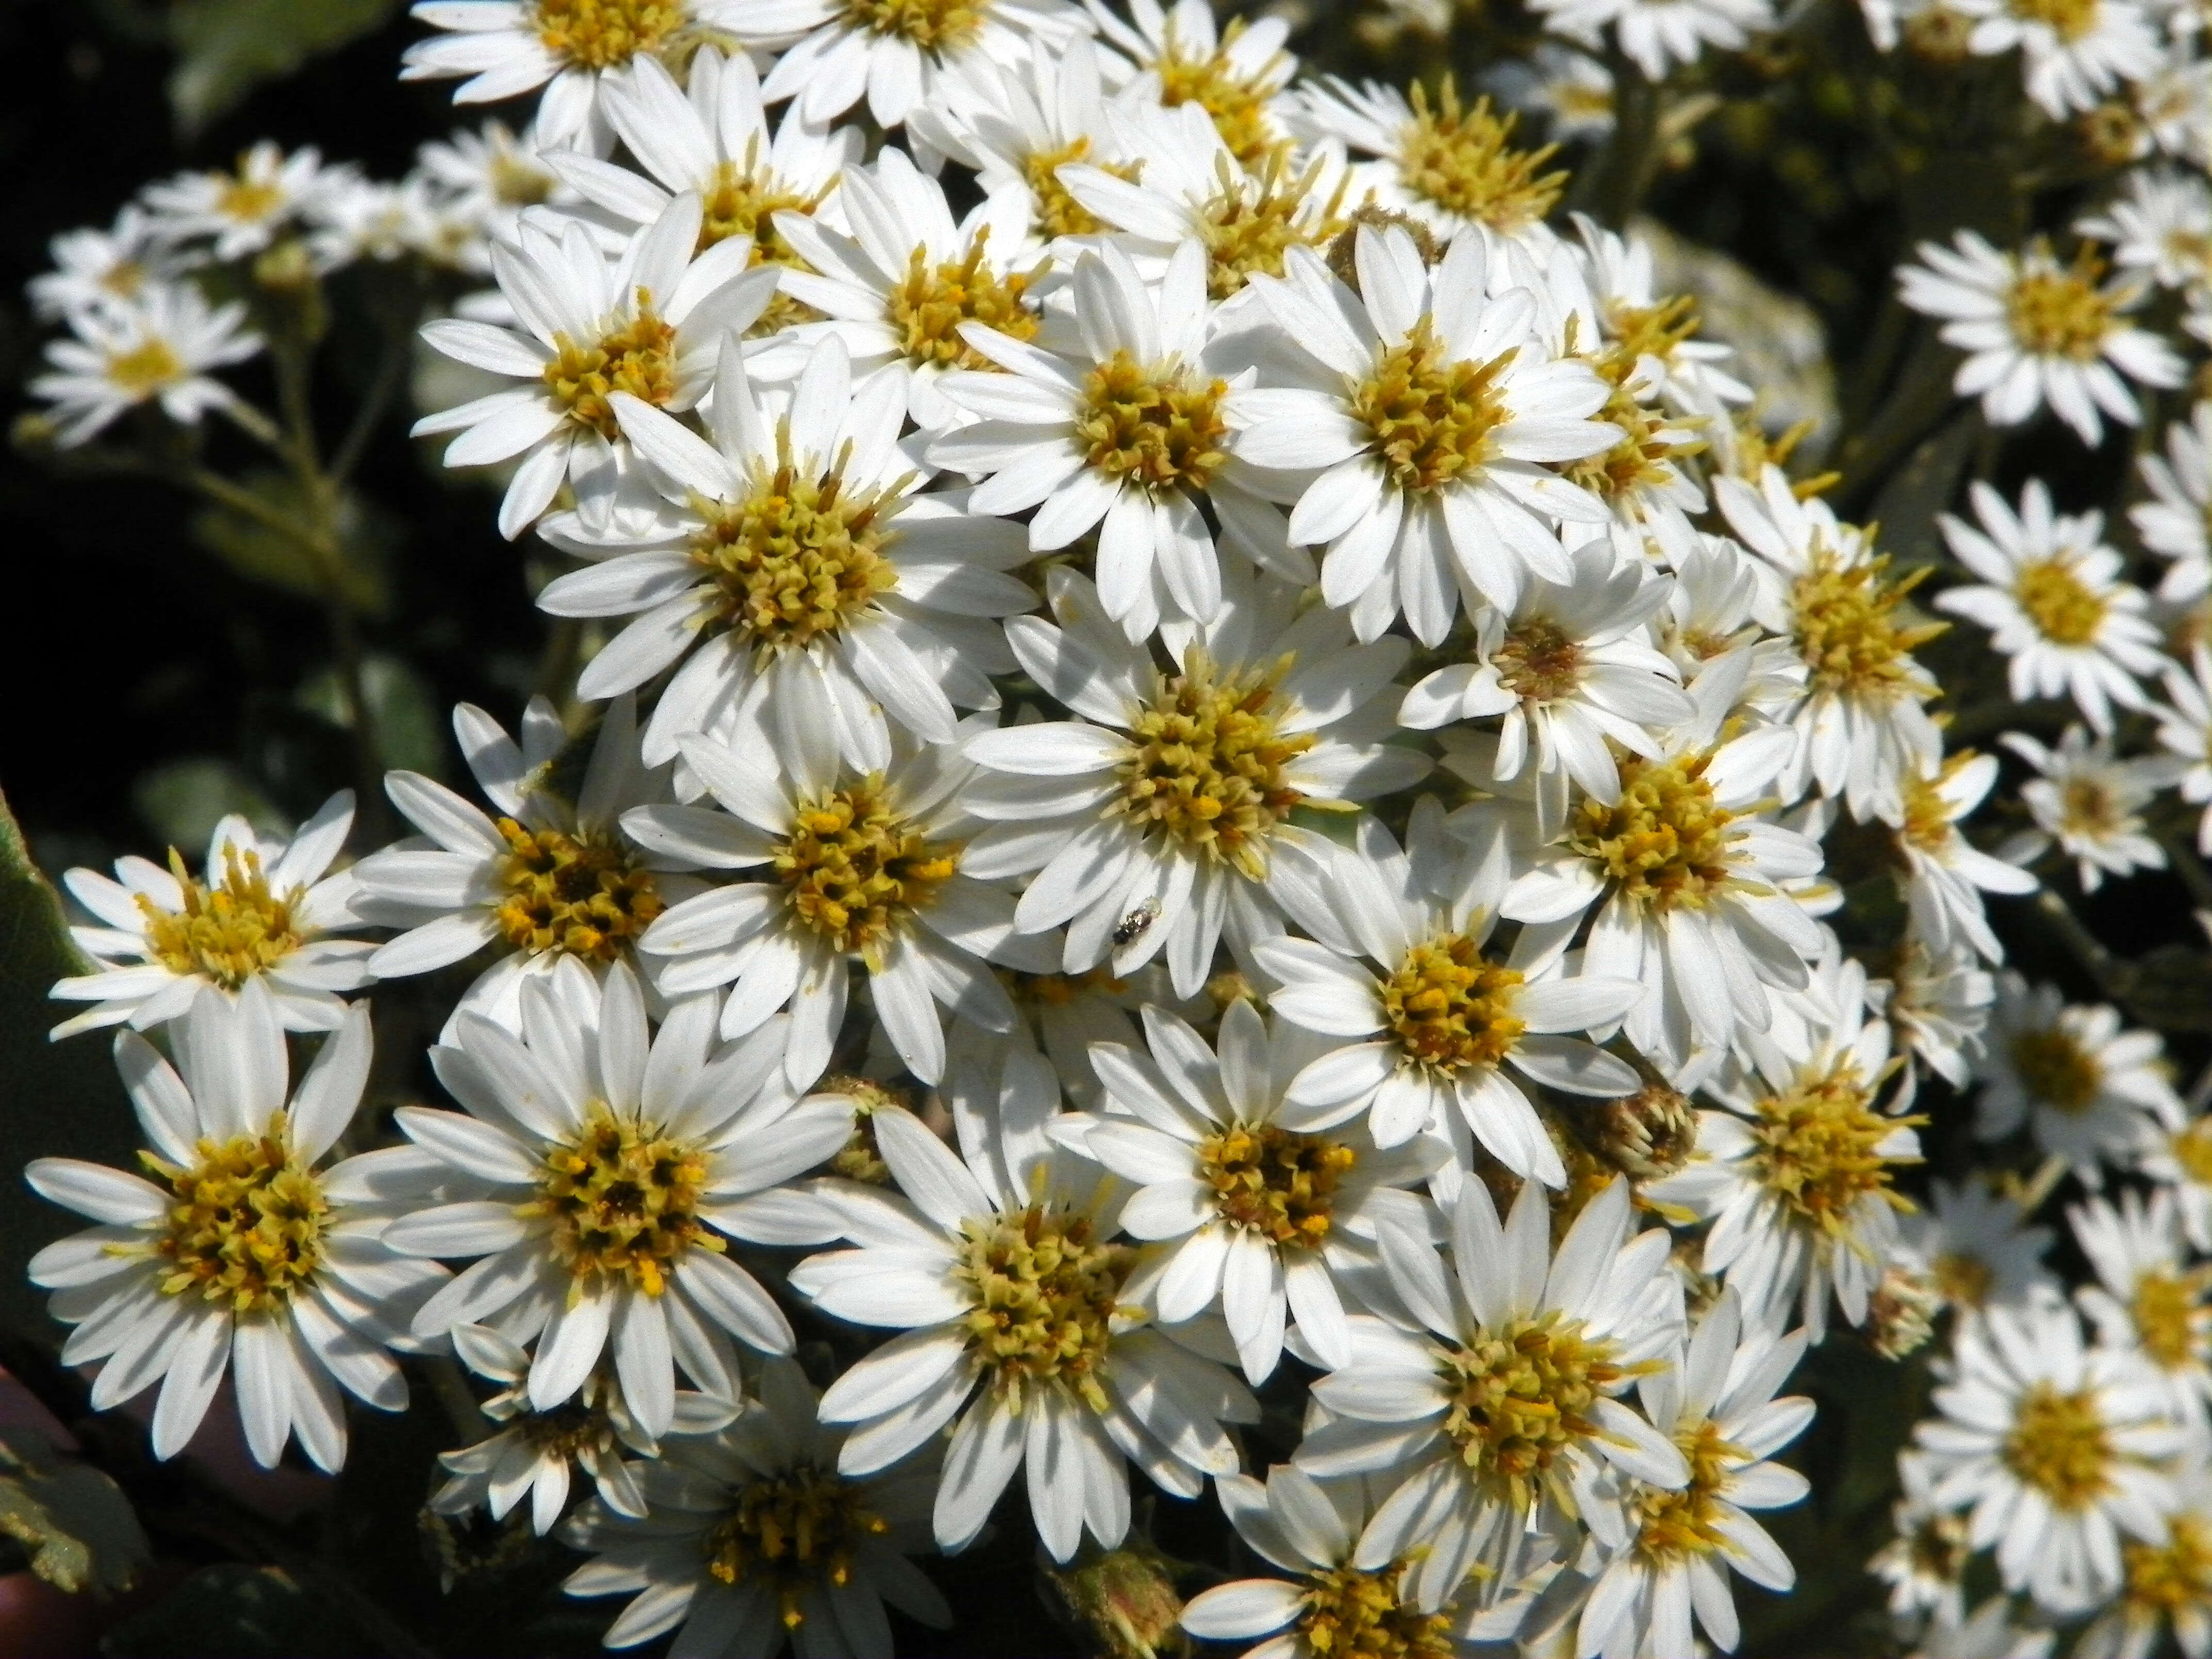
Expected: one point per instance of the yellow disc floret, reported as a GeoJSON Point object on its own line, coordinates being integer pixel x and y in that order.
{"type": "Point", "coordinates": [230, 930]}
{"type": "Point", "coordinates": [2170, 1316]}
{"type": "Point", "coordinates": [1248, 225]}
{"type": "Point", "coordinates": [930, 303]}
{"type": "Point", "coordinates": [1816, 1148]}
{"type": "Point", "coordinates": [1666, 841]}
{"type": "Point", "coordinates": [2171, 1580]}
{"type": "Point", "coordinates": [1043, 1292]}
{"type": "Point", "coordinates": [1234, 100]}
{"type": "Point", "coordinates": [145, 368]}
{"type": "Point", "coordinates": [1521, 1395]}
{"type": "Point", "coordinates": [245, 1224]}
{"type": "Point", "coordinates": [2059, 1445]}
{"type": "Point", "coordinates": [1847, 631]}
{"type": "Point", "coordinates": [2055, 1069]}
{"type": "Point", "coordinates": [856, 869]}
{"type": "Point", "coordinates": [1451, 1007]}
{"type": "Point", "coordinates": [622, 1200]}
{"type": "Point", "coordinates": [1345, 1613]}
{"type": "Point", "coordinates": [933, 26]}
{"type": "Point", "coordinates": [791, 1533]}
{"type": "Point", "coordinates": [572, 893]}
{"type": "Point", "coordinates": [1461, 160]}
{"type": "Point", "coordinates": [638, 356]}
{"type": "Point", "coordinates": [2064, 608]}
{"type": "Point", "coordinates": [1428, 418]}
{"type": "Point", "coordinates": [2063, 312]}
{"type": "Point", "coordinates": [1672, 1526]}
{"type": "Point", "coordinates": [1271, 1182]}
{"type": "Point", "coordinates": [1161, 427]}
{"type": "Point", "coordinates": [1209, 767]}
{"type": "Point", "coordinates": [601, 34]}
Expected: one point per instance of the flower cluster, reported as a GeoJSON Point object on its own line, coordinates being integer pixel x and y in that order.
{"type": "Point", "coordinates": [1212, 745]}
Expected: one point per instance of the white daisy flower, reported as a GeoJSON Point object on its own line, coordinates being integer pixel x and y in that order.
{"type": "Point", "coordinates": [156, 349]}
{"type": "Point", "coordinates": [1862, 727]}
{"type": "Point", "coordinates": [2036, 332]}
{"type": "Point", "coordinates": [2072, 61]}
{"type": "Point", "coordinates": [95, 268]}
{"type": "Point", "coordinates": [2091, 802]}
{"type": "Point", "coordinates": [2059, 1449]}
{"type": "Point", "coordinates": [1797, 1175]}
{"type": "Point", "coordinates": [563, 1127]}
{"type": "Point", "coordinates": [894, 52]}
{"type": "Point", "coordinates": [903, 287]}
{"type": "Point", "coordinates": [1022, 1317]}
{"type": "Point", "coordinates": [2148, 1298]}
{"type": "Point", "coordinates": [2178, 1157]}
{"type": "Point", "coordinates": [1569, 667]}
{"type": "Point", "coordinates": [358, 219]}
{"type": "Point", "coordinates": [650, 323]}
{"type": "Point", "coordinates": [710, 137]}
{"type": "Point", "coordinates": [872, 869]}
{"type": "Point", "coordinates": [2090, 1092]}
{"type": "Point", "coordinates": [1658, 37]}
{"type": "Point", "coordinates": [1938, 1003]}
{"type": "Point", "coordinates": [507, 47]}
{"type": "Point", "coordinates": [2177, 525]}
{"type": "Point", "coordinates": [2054, 603]}
{"type": "Point", "coordinates": [1976, 1247]}
{"type": "Point", "coordinates": [792, 557]}
{"type": "Point", "coordinates": [484, 178]}
{"type": "Point", "coordinates": [262, 910]}
{"type": "Point", "coordinates": [552, 877]}
{"type": "Point", "coordinates": [1337, 1601]}
{"type": "Point", "coordinates": [1262, 1214]}
{"type": "Point", "coordinates": [2165, 1600]}
{"type": "Point", "coordinates": [1990, 1634]}
{"type": "Point", "coordinates": [1687, 880]}
{"type": "Point", "coordinates": [1453, 166]}
{"type": "Point", "coordinates": [1570, 90]}
{"type": "Point", "coordinates": [2161, 225]}
{"type": "Point", "coordinates": [1944, 875]}
{"type": "Point", "coordinates": [1659, 329]}
{"type": "Point", "coordinates": [1122, 428]}
{"type": "Point", "coordinates": [2184, 727]}
{"type": "Point", "coordinates": [1712, 608]}
{"type": "Point", "coordinates": [1431, 412]}
{"type": "Point", "coordinates": [751, 1538]}
{"type": "Point", "coordinates": [1506, 1409]}
{"type": "Point", "coordinates": [1155, 818]}
{"type": "Point", "coordinates": [1925, 1563]}
{"type": "Point", "coordinates": [533, 1455]}
{"type": "Point", "coordinates": [1237, 74]}
{"type": "Point", "coordinates": [247, 1258]}
{"type": "Point", "coordinates": [239, 213]}
{"type": "Point", "coordinates": [1437, 1022]}
{"type": "Point", "coordinates": [1716, 1402]}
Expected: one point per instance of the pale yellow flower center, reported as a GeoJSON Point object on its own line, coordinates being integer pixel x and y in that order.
{"type": "Point", "coordinates": [146, 368]}
{"type": "Point", "coordinates": [1161, 427]}
{"type": "Point", "coordinates": [1058, 212]}
{"type": "Point", "coordinates": [1247, 232]}
{"type": "Point", "coordinates": [599, 34]}
{"type": "Point", "coordinates": [2063, 607]}
{"type": "Point", "coordinates": [1044, 1291]}
{"type": "Point", "coordinates": [1673, 1526]}
{"type": "Point", "coordinates": [1346, 1613]}
{"type": "Point", "coordinates": [1430, 418]}
{"type": "Point", "coordinates": [857, 869]}
{"type": "Point", "coordinates": [2166, 1580]}
{"type": "Point", "coordinates": [1237, 102]}
{"type": "Point", "coordinates": [934, 26]}
{"type": "Point", "coordinates": [791, 1533]}
{"type": "Point", "coordinates": [1521, 1396]}
{"type": "Point", "coordinates": [2058, 1445]}
{"type": "Point", "coordinates": [2062, 313]}
{"type": "Point", "coordinates": [930, 303]}
{"type": "Point", "coordinates": [2055, 1070]}
{"type": "Point", "coordinates": [245, 1224]}
{"type": "Point", "coordinates": [2169, 1318]}
{"type": "Point", "coordinates": [1844, 617]}
{"type": "Point", "coordinates": [1451, 1007]}
{"type": "Point", "coordinates": [1665, 840]}
{"type": "Point", "coordinates": [1269, 1182]}
{"type": "Point", "coordinates": [1962, 1280]}
{"type": "Point", "coordinates": [622, 1199]}
{"type": "Point", "coordinates": [1461, 160]}
{"type": "Point", "coordinates": [2069, 19]}
{"type": "Point", "coordinates": [638, 357]}
{"type": "Point", "coordinates": [1817, 1150]}
{"type": "Point", "coordinates": [230, 930]}
{"type": "Point", "coordinates": [583, 896]}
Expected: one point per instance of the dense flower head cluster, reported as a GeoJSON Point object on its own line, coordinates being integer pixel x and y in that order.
{"type": "Point", "coordinates": [1213, 745]}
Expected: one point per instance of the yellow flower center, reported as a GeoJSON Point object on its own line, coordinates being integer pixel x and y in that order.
{"type": "Point", "coordinates": [1962, 1280]}
{"type": "Point", "coordinates": [1430, 418]}
{"type": "Point", "coordinates": [586, 898]}
{"type": "Point", "coordinates": [622, 1200]}
{"type": "Point", "coordinates": [1161, 427]}
{"type": "Point", "coordinates": [2087, 808]}
{"type": "Point", "coordinates": [1928, 815]}
{"type": "Point", "coordinates": [1211, 770]}
{"type": "Point", "coordinates": [1237, 102]}
{"type": "Point", "coordinates": [2062, 313]}
{"type": "Point", "coordinates": [860, 1158]}
{"type": "Point", "coordinates": [2169, 1318]}
{"type": "Point", "coordinates": [928, 305]}
{"type": "Point", "coordinates": [248, 201]}
{"type": "Point", "coordinates": [1451, 1006]}
{"type": "Point", "coordinates": [2192, 1150]}
{"type": "Point", "coordinates": [1351, 1614]}
{"type": "Point", "coordinates": [245, 1224]}
{"type": "Point", "coordinates": [800, 557]}
{"type": "Point", "coordinates": [148, 368]}
{"type": "Point", "coordinates": [1652, 331]}
{"type": "Point", "coordinates": [1460, 160]}
{"type": "Point", "coordinates": [1666, 841]}
{"type": "Point", "coordinates": [1673, 1526]}
{"type": "Point", "coordinates": [230, 931]}
{"type": "Point", "coordinates": [1816, 1149]}
{"type": "Point", "coordinates": [2069, 19]}
{"type": "Point", "coordinates": [638, 357]}
{"type": "Point", "coordinates": [2169, 1579]}
{"type": "Point", "coordinates": [1058, 212]}
{"type": "Point", "coordinates": [935, 26]}
{"type": "Point", "coordinates": [124, 278]}
{"type": "Point", "coordinates": [1521, 1395]}
{"type": "Point", "coordinates": [1844, 616]}
{"type": "Point", "coordinates": [742, 199]}
{"type": "Point", "coordinates": [2060, 603]}
{"type": "Point", "coordinates": [518, 181]}
{"type": "Point", "coordinates": [1248, 225]}
{"type": "Point", "coordinates": [857, 869]}
{"type": "Point", "coordinates": [792, 1532]}
{"type": "Point", "coordinates": [1044, 1292]}
{"type": "Point", "coordinates": [1539, 660]}
{"type": "Point", "coordinates": [1644, 457]}
{"type": "Point", "coordinates": [1270, 1181]}
{"type": "Point", "coordinates": [2058, 1445]}
{"type": "Point", "coordinates": [2055, 1070]}
{"type": "Point", "coordinates": [601, 34]}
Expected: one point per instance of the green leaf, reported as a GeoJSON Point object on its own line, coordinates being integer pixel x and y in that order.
{"type": "Point", "coordinates": [183, 800]}
{"type": "Point", "coordinates": [403, 712]}
{"type": "Point", "coordinates": [269, 557]}
{"type": "Point", "coordinates": [225, 48]}
{"type": "Point", "coordinates": [60, 1098]}
{"type": "Point", "coordinates": [254, 1612]}
{"type": "Point", "coordinates": [73, 1521]}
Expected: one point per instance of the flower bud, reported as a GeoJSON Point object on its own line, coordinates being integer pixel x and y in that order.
{"type": "Point", "coordinates": [1647, 1134]}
